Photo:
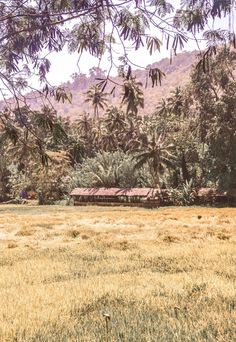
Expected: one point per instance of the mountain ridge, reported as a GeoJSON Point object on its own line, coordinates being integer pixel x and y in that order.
{"type": "Point", "coordinates": [177, 74]}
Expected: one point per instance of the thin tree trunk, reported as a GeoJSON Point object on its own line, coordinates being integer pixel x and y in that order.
{"type": "Point", "coordinates": [184, 168]}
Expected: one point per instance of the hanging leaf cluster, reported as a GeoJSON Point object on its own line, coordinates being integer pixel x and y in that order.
{"type": "Point", "coordinates": [132, 95]}
{"type": "Point", "coordinates": [156, 76]}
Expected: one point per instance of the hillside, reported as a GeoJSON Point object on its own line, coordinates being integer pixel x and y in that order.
{"type": "Point", "coordinates": [177, 74]}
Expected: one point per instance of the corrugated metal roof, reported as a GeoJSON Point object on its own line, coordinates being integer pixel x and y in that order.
{"type": "Point", "coordinates": [129, 192]}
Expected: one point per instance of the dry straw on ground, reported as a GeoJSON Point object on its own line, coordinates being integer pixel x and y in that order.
{"type": "Point", "coordinates": [160, 275]}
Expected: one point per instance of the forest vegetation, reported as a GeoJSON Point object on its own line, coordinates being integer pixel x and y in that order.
{"type": "Point", "coordinates": [186, 143]}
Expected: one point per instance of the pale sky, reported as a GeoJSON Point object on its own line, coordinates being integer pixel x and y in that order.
{"type": "Point", "coordinates": [65, 64]}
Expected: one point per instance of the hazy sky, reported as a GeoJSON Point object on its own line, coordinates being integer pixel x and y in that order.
{"type": "Point", "coordinates": [65, 64]}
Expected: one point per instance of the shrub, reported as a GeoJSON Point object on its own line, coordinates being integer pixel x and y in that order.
{"type": "Point", "coordinates": [186, 195]}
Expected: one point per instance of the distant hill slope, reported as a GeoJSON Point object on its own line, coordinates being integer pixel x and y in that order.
{"type": "Point", "coordinates": [177, 74]}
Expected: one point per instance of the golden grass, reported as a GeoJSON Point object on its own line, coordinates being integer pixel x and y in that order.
{"type": "Point", "coordinates": [162, 275]}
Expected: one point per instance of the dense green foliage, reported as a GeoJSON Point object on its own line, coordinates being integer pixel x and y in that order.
{"type": "Point", "coordinates": [187, 143]}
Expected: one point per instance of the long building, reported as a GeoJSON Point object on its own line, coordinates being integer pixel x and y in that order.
{"type": "Point", "coordinates": [144, 197]}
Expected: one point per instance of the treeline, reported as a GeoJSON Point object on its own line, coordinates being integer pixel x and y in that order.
{"type": "Point", "coordinates": [187, 143]}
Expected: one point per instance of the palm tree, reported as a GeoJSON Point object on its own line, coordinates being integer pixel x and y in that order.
{"type": "Point", "coordinates": [97, 98]}
{"type": "Point", "coordinates": [176, 101]}
{"type": "Point", "coordinates": [157, 154]}
{"type": "Point", "coordinates": [115, 128]}
{"type": "Point", "coordinates": [85, 125]}
{"type": "Point", "coordinates": [163, 108]}
{"type": "Point", "coordinates": [115, 120]}
{"type": "Point", "coordinates": [108, 141]}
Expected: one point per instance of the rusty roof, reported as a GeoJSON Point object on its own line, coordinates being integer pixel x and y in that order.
{"type": "Point", "coordinates": [129, 192]}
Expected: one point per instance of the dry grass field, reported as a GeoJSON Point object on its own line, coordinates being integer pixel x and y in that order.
{"type": "Point", "coordinates": [161, 275]}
